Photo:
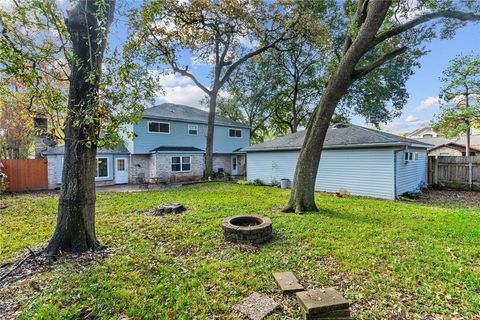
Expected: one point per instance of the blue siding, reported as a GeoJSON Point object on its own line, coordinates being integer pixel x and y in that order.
{"type": "Point", "coordinates": [59, 168]}
{"type": "Point", "coordinates": [365, 172]}
{"type": "Point", "coordinates": [411, 175]}
{"type": "Point", "coordinates": [179, 136]}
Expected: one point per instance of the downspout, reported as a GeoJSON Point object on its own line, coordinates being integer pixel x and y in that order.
{"type": "Point", "coordinates": [395, 165]}
{"type": "Point", "coordinates": [395, 174]}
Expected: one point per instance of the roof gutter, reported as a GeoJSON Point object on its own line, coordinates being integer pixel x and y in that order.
{"type": "Point", "coordinates": [237, 125]}
{"type": "Point", "coordinates": [345, 146]}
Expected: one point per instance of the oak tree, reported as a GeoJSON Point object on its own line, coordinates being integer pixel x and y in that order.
{"type": "Point", "coordinates": [220, 34]}
{"type": "Point", "coordinates": [377, 33]}
{"type": "Point", "coordinates": [42, 48]}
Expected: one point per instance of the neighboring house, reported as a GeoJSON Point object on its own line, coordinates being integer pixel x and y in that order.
{"type": "Point", "coordinates": [452, 147]}
{"type": "Point", "coordinates": [425, 132]}
{"type": "Point", "coordinates": [363, 161]}
{"type": "Point", "coordinates": [169, 147]}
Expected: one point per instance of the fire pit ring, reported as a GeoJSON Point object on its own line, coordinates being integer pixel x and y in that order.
{"type": "Point", "coordinates": [250, 229]}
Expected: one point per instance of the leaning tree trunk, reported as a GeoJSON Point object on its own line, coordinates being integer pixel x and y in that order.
{"type": "Point", "coordinates": [302, 197]}
{"type": "Point", "coordinates": [75, 230]}
{"type": "Point", "coordinates": [210, 133]}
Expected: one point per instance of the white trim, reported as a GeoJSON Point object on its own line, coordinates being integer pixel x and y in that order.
{"type": "Point", "coordinates": [107, 177]}
{"type": "Point", "coordinates": [161, 122]}
{"type": "Point", "coordinates": [234, 173]}
{"type": "Point", "coordinates": [236, 129]}
{"type": "Point", "coordinates": [188, 129]}
{"type": "Point", "coordinates": [181, 163]}
{"type": "Point", "coordinates": [115, 169]}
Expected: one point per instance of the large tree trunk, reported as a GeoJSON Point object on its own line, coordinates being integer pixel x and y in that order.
{"type": "Point", "coordinates": [302, 197]}
{"type": "Point", "coordinates": [75, 230]}
{"type": "Point", "coordinates": [210, 132]}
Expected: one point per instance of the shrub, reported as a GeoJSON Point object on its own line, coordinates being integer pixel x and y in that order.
{"type": "Point", "coordinates": [258, 182]}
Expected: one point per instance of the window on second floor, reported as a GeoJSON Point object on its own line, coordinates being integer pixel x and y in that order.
{"type": "Point", "coordinates": [235, 133]}
{"type": "Point", "coordinates": [193, 129]}
{"type": "Point", "coordinates": [158, 127]}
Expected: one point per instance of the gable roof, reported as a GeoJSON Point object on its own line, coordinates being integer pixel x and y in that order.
{"type": "Point", "coordinates": [339, 136]}
{"type": "Point", "coordinates": [419, 131]}
{"type": "Point", "coordinates": [454, 145]}
{"type": "Point", "coordinates": [179, 112]}
{"type": "Point", "coordinates": [460, 141]}
{"type": "Point", "coordinates": [435, 141]}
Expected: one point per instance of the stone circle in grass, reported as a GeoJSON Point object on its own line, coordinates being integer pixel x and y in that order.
{"type": "Point", "coordinates": [247, 229]}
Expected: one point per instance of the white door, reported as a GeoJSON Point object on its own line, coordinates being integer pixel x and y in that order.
{"type": "Point", "coordinates": [121, 170]}
{"type": "Point", "coordinates": [234, 166]}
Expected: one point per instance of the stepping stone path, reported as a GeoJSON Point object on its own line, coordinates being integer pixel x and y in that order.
{"type": "Point", "coordinates": [325, 303]}
{"type": "Point", "coordinates": [256, 306]}
{"type": "Point", "coordinates": [287, 282]}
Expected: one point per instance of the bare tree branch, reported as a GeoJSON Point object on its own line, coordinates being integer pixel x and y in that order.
{"type": "Point", "coordinates": [452, 14]}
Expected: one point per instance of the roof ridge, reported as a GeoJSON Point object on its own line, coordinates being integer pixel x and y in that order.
{"type": "Point", "coordinates": [380, 133]}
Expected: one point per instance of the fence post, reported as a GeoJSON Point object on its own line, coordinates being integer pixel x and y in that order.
{"type": "Point", "coordinates": [435, 170]}
{"type": "Point", "coordinates": [470, 173]}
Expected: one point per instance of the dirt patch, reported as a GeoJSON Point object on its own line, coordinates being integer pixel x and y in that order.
{"type": "Point", "coordinates": [450, 197]}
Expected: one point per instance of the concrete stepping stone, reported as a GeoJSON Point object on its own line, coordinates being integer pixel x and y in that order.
{"type": "Point", "coordinates": [325, 303]}
{"type": "Point", "coordinates": [287, 282]}
{"type": "Point", "coordinates": [256, 306]}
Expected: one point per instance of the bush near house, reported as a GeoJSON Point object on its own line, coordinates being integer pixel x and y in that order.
{"type": "Point", "coordinates": [387, 257]}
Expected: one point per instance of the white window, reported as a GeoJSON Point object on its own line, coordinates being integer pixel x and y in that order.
{"type": "Point", "coordinates": [180, 164]}
{"type": "Point", "coordinates": [410, 156]}
{"type": "Point", "coordinates": [120, 164]}
{"type": "Point", "coordinates": [235, 133]}
{"type": "Point", "coordinates": [158, 127]}
{"type": "Point", "coordinates": [193, 129]}
{"type": "Point", "coordinates": [102, 168]}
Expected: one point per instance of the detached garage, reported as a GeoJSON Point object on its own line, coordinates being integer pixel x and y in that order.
{"type": "Point", "coordinates": [363, 161]}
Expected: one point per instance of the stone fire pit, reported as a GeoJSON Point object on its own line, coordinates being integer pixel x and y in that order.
{"type": "Point", "coordinates": [250, 229]}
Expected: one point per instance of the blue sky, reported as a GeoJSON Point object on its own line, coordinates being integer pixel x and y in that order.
{"type": "Point", "coordinates": [423, 87]}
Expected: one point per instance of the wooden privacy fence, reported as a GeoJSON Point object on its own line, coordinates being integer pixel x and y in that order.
{"type": "Point", "coordinates": [454, 172]}
{"type": "Point", "coordinates": [25, 175]}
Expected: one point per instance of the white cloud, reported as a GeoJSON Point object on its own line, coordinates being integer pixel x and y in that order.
{"type": "Point", "coordinates": [178, 89]}
{"type": "Point", "coordinates": [412, 119]}
{"type": "Point", "coordinates": [409, 124]}
{"type": "Point", "coordinates": [429, 103]}
{"type": "Point", "coordinates": [170, 79]}
{"type": "Point", "coordinates": [189, 95]}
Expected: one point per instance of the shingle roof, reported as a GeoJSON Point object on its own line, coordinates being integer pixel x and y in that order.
{"type": "Point", "coordinates": [175, 148]}
{"type": "Point", "coordinates": [453, 145]}
{"type": "Point", "coordinates": [184, 113]}
{"type": "Point", "coordinates": [343, 135]}
{"type": "Point", "coordinates": [474, 140]}
{"type": "Point", "coordinates": [435, 141]}
{"type": "Point", "coordinates": [461, 141]}
{"type": "Point", "coordinates": [61, 150]}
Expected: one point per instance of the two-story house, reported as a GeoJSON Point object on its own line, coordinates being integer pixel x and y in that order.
{"type": "Point", "coordinates": [169, 146]}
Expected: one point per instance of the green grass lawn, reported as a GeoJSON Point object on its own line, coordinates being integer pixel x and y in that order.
{"type": "Point", "coordinates": [386, 257]}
